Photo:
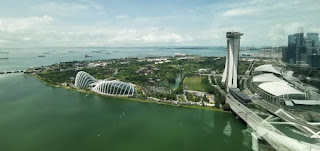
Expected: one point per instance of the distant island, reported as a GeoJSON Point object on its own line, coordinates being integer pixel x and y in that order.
{"type": "Point", "coordinates": [182, 80]}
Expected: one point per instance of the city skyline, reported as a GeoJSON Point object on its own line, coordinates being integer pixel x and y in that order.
{"type": "Point", "coordinates": [87, 23]}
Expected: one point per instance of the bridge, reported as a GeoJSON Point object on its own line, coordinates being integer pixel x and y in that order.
{"type": "Point", "coordinates": [8, 72]}
{"type": "Point", "coordinates": [290, 119]}
{"type": "Point", "coordinates": [263, 129]}
{"type": "Point", "coordinates": [220, 75]}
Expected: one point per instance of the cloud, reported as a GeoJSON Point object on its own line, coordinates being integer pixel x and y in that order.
{"type": "Point", "coordinates": [4, 41]}
{"type": "Point", "coordinates": [102, 13]}
{"type": "Point", "coordinates": [240, 11]}
{"type": "Point", "coordinates": [268, 22]}
{"type": "Point", "coordinates": [68, 8]}
{"type": "Point", "coordinates": [89, 23]}
{"type": "Point", "coordinates": [122, 17]}
{"type": "Point", "coordinates": [11, 25]}
{"type": "Point", "coordinates": [151, 35]}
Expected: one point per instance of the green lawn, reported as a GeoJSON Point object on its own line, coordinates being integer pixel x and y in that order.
{"type": "Point", "coordinates": [194, 83]}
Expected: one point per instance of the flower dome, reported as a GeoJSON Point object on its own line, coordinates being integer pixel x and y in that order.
{"type": "Point", "coordinates": [114, 88]}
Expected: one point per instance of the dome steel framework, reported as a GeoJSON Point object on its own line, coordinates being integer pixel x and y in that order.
{"type": "Point", "coordinates": [104, 87]}
{"type": "Point", "coordinates": [83, 80]}
{"type": "Point", "coordinates": [114, 88]}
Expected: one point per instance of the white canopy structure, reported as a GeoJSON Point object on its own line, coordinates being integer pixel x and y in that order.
{"type": "Point", "coordinates": [104, 87]}
{"type": "Point", "coordinates": [279, 88]}
{"type": "Point", "coordinates": [306, 102]}
{"type": "Point", "coordinates": [114, 88]}
{"type": "Point", "coordinates": [83, 80]}
{"type": "Point", "coordinates": [267, 77]}
{"type": "Point", "coordinates": [268, 68]}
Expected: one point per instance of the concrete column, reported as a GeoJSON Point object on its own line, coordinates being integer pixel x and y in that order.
{"type": "Point", "coordinates": [255, 141]}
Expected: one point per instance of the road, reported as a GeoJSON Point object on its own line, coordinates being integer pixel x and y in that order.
{"type": "Point", "coordinates": [299, 123]}
{"type": "Point", "coordinates": [273, 136]}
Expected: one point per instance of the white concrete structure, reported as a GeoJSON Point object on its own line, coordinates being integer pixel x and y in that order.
{"type": "Point", "coordinates": [230, 73]}
{"type": "Point", "coordinates": [279, 88]}
{"type": "Point", "coordinates": [114, 88]}
{"type": "Point", "coordinates": [104, 87]}
{"type": "Point", "coordinates": [83, 80]}
{"type": "Point", "coordinates": [267, 77]}
{"type": "Point", "coordinates": [306, 102]}
{"type": "Point", "coordinates": [269, 68]}
{"type": "Point", "coordinates": [264, 129]}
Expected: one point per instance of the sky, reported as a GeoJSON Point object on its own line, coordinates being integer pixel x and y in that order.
{"type": "Point", "coordinates": [100, 23]}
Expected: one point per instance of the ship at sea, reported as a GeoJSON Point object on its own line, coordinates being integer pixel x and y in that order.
{"type": "Point", "coordinates": [87, 56]}
{"type": "Point", "coordinates": [246, 54]}
{"type": "Point", "coordinates": [4, 55]}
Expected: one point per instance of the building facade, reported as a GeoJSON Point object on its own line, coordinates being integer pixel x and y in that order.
{"type": "Point", "coordinates": [302, 50]}
{"type": "Point", "coordinates": [230, 74]}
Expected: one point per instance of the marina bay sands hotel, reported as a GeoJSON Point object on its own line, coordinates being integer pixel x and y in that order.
{"type": "Point", "coordinates": [230, 73]}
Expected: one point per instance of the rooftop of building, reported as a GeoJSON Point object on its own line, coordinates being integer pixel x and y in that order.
{"type": "Point", "coordinates": [266, 77]}
{"type": "Point", "coordinates": [268, 68]}
{"type": "Point", "coordinates": [233, 34]}
{"type": "Point", "coordinates": [306, 102]}
{"type": "Point", "coordinates": [279, 88]}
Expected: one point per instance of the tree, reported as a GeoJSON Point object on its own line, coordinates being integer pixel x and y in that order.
{"type": "Point", "coordinates": [217, 100]}
{"type": "Point", "coordinates": [226, 107]}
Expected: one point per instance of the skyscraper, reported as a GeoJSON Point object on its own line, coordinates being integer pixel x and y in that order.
{"type": "Point", "coordinates": [314, 37]}
{"type": "Point", "coordinates": [312, 44]}
{"type": "Point", "coordinates": [290, 54]}
{"type": "Point", "coordinates": [230, 74]}
{"type": "Point", "coordinates": [300, 48]}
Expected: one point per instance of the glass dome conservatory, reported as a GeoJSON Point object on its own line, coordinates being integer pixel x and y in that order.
{"type": "Point", "coordinates": [83, 80]}
{"type": "Point", "coordinates": [114, 88]}
{"type": "Point", "coordinates": [104, 87]}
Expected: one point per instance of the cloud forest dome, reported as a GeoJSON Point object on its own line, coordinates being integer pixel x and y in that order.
{"type": "Point", "coordinates": [84, 80]}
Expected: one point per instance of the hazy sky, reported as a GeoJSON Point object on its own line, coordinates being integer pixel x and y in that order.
{"type": "Point", "coordinates": [44, 23]}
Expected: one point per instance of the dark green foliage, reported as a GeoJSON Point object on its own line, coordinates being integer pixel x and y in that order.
{"type": "Point", "coordinates": [100, 72]}
{"type": "Point", "coordinates": [221, 85]}
{"type": "Point", "coordinates": [207, 85]}
{"type": "Point", "coordinates": [165, 96]}
{"type": "Point", "coordinates": [137, 78]}
{"type": "Point", "coordinates": [58, 77]}
{"type": "Point", "coordinates": [219, 98]}
{"type": "Point", "coordinates": [243, 66]}
{"type": "Point", "coordinates": [213, 80]}
{"type": "Point", "coordinates": [179, 90]}
{"type": "Point", "coordinates": [226, 107]}
{"type": "Point", "coordinates": [192, 97]}
{"type": "Point", "coordinates": [306, 75]}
